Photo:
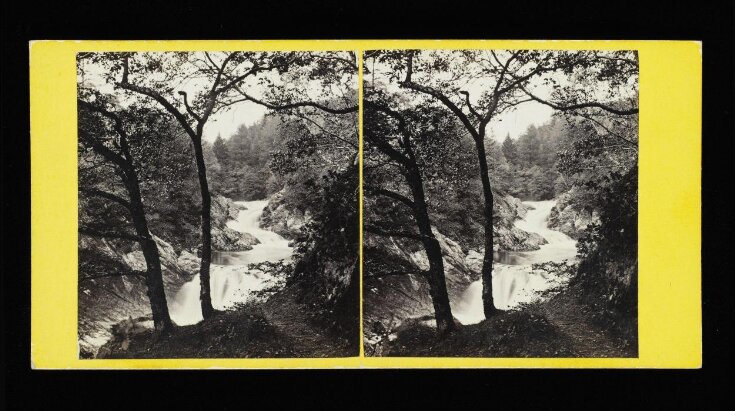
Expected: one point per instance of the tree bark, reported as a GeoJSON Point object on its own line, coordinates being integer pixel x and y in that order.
{"type": "Point", "coordinates": [488, 304]}
{"type": "Point", "coordinates": [206, 217]}
{"type": "Point", "coordinates": [154, 274]}
{"type": "Point", "coordinates": [435, 275]}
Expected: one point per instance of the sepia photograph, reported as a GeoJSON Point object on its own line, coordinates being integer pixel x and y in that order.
{"type": "Point", "coordinates": [500, 203]}
{"type": "Point", "coordinates": [218, 204]}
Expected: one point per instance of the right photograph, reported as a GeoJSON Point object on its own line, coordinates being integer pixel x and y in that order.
{"type": "Point", "coordinates": [500, 202]}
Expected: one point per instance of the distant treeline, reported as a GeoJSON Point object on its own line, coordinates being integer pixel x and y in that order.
{"type": "Point", "coordinates": [525, 167]}
{"type": "Point", "coordinates": [240, 165]}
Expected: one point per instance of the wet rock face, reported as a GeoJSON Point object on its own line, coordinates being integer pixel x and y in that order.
{"type": "Point", "coordinates": [570, 219]}
{"type": "Point", "coordinates": [277, 217]}
{"type": "Point", "coordinates": [223, 210]}
{"type": "Point", "coordinates": [188, 262]}
{"type": "Point", "coordinates": [105, 302]}
{"type": "Point", "coordinates": [227, 239]}
{"type": "Point", "coordinates": [390, 300]}
{"type": "Point", "coordinates": [507, 236]}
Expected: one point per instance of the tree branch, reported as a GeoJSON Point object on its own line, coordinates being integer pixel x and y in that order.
{"type": "Point", "coordinates": [390, 194]}
{"type": "Point", "coordinates": [387, 149]}
{"type": "Point", "coordinates": [287, 106]}
{"type": "Point", "coordinates": [469, 105]}
{"type": "Point", "coordinates": [578, 106]}
{"type": "Point", "coordinates": [395, 273]}
{"type": "Point", "coordinates": [188, 108]}
{"type": "Point", "coordinates": [99, 234]}
{"type": "Point", "coordinates": [126, 85]}
{"type": "Point", "coordinates": [134, 273]}
{"type": "Point", "coordinates": [104, 194]}
{"type": "Point", "coordinates": [379, 231]}
{"type": "Point", "coordinates": [408, 83]}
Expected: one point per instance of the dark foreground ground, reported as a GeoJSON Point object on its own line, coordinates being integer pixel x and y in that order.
{"type": "Point", "coordinates": [279, 328]}
{"type": "Point", "coordinates": [559, 327]}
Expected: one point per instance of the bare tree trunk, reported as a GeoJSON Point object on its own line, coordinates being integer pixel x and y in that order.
{"type": "Point", "coordinates": [206, 221]}
{"type": "Point", "coordinates": [435, 275]}
{"type": "Point", "coordinates": [154, 274]}
{"type": "Point", "coordinates": [488, 304]}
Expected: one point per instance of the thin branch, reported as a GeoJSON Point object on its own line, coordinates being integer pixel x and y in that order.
{"type": "Point", "coordinates": [578, 106]}
{"type": "Point", "coordinates": [324, 130]}
{"type": "Point", "coordinates": [126, 85]}
{"type": "Point", "coordinates": [188, 108]}
{"type": "Point", "coordinates": [396, 273]}
{"type": "Point", "coordinates": [610, 132]}
{"type": "Point", "coordinates": [469, 105]}
{"type": "Point", "coordinates": [408, 83]}
{"type": "Point", "coordinates": [287, 106]}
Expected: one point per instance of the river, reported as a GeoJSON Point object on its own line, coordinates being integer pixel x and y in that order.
{"type": "Point", "coordinates": [514, 281]}
{"type": "Point", "coordinates": [232, 282]}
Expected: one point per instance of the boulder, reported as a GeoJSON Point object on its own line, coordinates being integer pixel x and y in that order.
{"type": "Point", "coordinates": [570, 218]}
{"type": "Point", "coordinates": [188, 262]}
{"type": "Point", "coordinates": [223, 210]}
{"type": "Point", "coordinates": [507, 209]}
{"type": "Point", "coordinates": [514, 239]}
{"type": "Point", "coordinates": [227, 239]}
{"type": "Point", "coordinates": [285, 221]}
{"type": "Point", "coordinates": [166, 252]}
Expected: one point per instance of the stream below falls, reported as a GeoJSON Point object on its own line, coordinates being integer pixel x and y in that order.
{"type": "Point", "coordinates": [514, 280]}
{"type": "Point", "coordinates": [231, 281]}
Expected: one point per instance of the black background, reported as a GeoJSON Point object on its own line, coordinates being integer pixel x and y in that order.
{"type": "Point", "coordinates": [480, 389]}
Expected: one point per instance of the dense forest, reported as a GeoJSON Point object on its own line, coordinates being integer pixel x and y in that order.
{"type": "Point", "coordinates": [484, 245]}
{"type": "Point", "coordinates": [240, 165]}
{"type": "Point", "coordinates": [236, 246]}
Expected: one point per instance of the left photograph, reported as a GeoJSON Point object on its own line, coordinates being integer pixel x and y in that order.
{"type": "Point", "coordinates": [218, 204]}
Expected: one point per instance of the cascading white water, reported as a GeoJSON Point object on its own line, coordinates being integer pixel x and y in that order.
{"type": "Point", "coordinates": [518, 284]}
{"type": "Point", "coordinates": [233, 282]}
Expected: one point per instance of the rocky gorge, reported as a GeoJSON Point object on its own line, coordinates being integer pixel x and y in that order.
{"type": "Point", "coordinates": [107, 300]}
{"type": "Point", "coordinates": [392, 299]}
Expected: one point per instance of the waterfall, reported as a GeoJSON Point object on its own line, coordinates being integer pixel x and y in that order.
{"type": "Point", "coordinates": [519, 283]}
{"type": "Point", "coordinates": [233, 283]}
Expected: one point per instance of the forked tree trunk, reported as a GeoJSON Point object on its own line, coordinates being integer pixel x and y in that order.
{"type": "Point", "coordinates": [488, 304]}
{"type": "Point", "coordinates": [206, 222]}
{"type": "Point", "coordinates": [154, 274]}
{"type": "Point", "coordinates": [435, 275]}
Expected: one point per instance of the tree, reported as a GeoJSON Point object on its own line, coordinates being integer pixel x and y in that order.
{"type": "Point", "coordinates": [503, 80]}
{"type": "Point", "coordinates": [499, 98]}
{"type": "Point", "coordinates": [193, 119]}
{"type": "Point", "coordinates": [394, 135]}
{"type": "Point", "coordinates": [529, 147]}
{"type": "Point", "coordinates": [220, 80]}
{"type": "Point", "coordinates": [509, 150]}
{"type": "Point", "coordinates": [105, 133]}
{"type": "Point", "coordinates": [220, 150]}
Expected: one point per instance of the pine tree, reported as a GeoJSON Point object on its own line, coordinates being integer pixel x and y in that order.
{"type": "Point", "coordinates": [509, 150]}
{"type": "Point", "coordinates": [220, 149]}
